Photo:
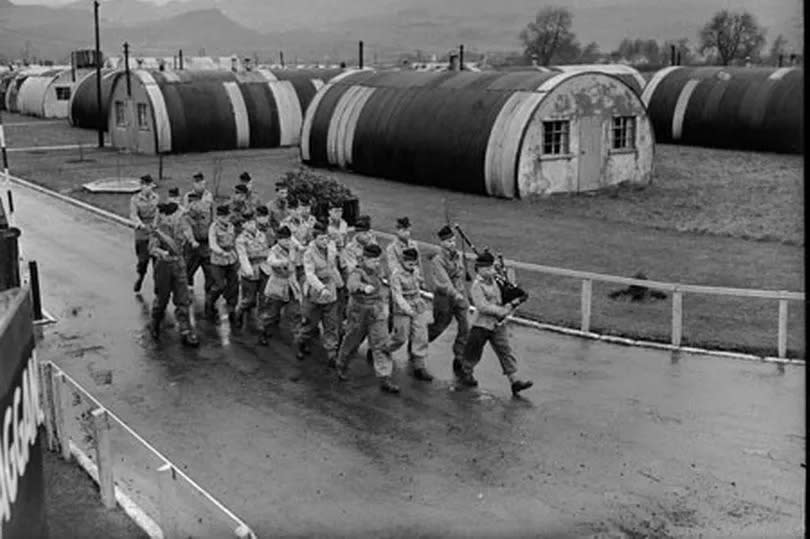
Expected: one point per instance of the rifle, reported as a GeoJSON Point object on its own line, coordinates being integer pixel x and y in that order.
{"type": "Point", "coordinates": [510, 291]}
{"type": "Point", "coordinates": [166, 241]}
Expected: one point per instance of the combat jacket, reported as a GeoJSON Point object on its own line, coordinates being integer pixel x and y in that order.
{"type": "Point", "coordinates": [301, 228]}
{"type": "Point", "coordinates": [337, 233]}
{"type": "Point", "coordinates": [178, 233]}
{"type": "Point", "coordinates": [321, 271]}
{"type": "Point", "coordinates": [269, 233]}
{"type": "Point", "coordinates": [353, 252]}
{"type": "Point", "coordinates": [143, 208]}
{"type": "Point", "coordinates": [406, 290]}
{"type": "Point", "coordinates": [278, 212]}
{"type": "Point", "coordinates": [200, 215]}
{"type": "Point", "coordinates": [280, 267]}
{"type": "Point", "coordinates": [486, 297]}
{"type": "Point", "coordinates": [221, 234]}
{"type": "Point", "coordinates": [448, 272]}
{"type": "Point", "coordinates": [252, 250]}
{"type": "Point", "coordinates": [356, 283]}
{"type": "Point", "coordinates": [393, 254]}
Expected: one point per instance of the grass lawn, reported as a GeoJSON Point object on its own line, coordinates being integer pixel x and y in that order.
{"type": "Point", "coordinates": [710, 217]}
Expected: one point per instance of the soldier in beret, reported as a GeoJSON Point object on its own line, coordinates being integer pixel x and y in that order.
{"type": "Point", "coordinates": [488, 327]}
{"type": "Point", "coordinates": [449, 294]}
{"type": "Point", "coordinates": [353, 251]}
{"type": "Point", "coordinates": [263, 224]}
{"type": "Point", "coordinates": [224, 266]}
{"type": "Point", "coordinates": [278, 207]}
{"type": "Point", "coordinates": [238, 205]}
{"type": "Point", "coordinates": [368, 317]}
{"type": "Point", "coordinates": [199, 204]}
{"type": "Point", "coordinates": [411, 313]}
{"type": "Point", "coordinates": [143, 210]}
{"type": "Point", "coordinates": [322, 279]}
{"type": "Point", "coordinates": [166, 245]}
{"type": "Point", "coordinates": [252, 251]}
{"type": "Point", "coordinates": [283, 290]}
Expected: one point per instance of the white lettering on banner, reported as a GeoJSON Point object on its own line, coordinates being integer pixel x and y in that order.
{"type": "Point", "coordinates": [18, 435]}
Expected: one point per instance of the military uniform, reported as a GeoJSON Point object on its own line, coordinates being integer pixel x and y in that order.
{"type": "Point", "coordinates": [367, 317]}
{"type": "Point", "coordinates": [278, 213]}
{"type": "Point", "coordinates": [170, 275]}
{"type": "Point", "coordinates": [282, 290]}
{"type": "Point", "coordinates": [143, 209]}
{"type": "Point", "coordinates": [252, 250]}
{"type": "Point", "coordinates": [224, 272]}
{"type": "Point", "coordinates": [321, 274]}
{"type": "Point", "coordinates": [487, 327]}
{"type": "Point", "coordinates": [199, 212]}
{"type": "Point", "coordinates": [449, 299]}
{"type": "Point", "coordinates": [411, 317]}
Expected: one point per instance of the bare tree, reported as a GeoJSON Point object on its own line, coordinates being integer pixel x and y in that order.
{"type": "Point", "coordinates": [549, 34]}
{"type": "Point", "coordinates": [732, 35]}
{"type": "Point", "coordinates": [778, 48]}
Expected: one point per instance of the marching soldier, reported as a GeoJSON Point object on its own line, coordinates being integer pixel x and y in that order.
{"type": "Point", "coordinates": [297, 228]}
{"type": "Point", "coordinates": [449, 296]}
{"type": "Point", "coordinates": [337, 228]}
{"type": "Point", "coordinates": [322, 279]}
{"type": "Point", "coordinates": [143, 210]}
{"type": "Point", "coordinates": [488, 326]}
{"type": "Point", "coordinates": [354, 248]}
{"type": "Point", "coordinates": [264, 226]}
{"type": "Point", "coordinates": [278, 207]}
{"type": "Point", "coordinates": [174, 196]}
{"type": "Point", "coordinates": [282, 290]}
{"type": "Point", "coordinates": [199, 204]}
{"type": "Point", "coordinates": [224, 264]}
{"type": "Point", "coordinates": [368, 317]}
{"type": "Point", "coordinates": [166, 246]}
{"type": "Point", "coordinates": [393, 253]}
{"type": "Point", "coordinates": [411, 313]}
{"type": "Point", "coordinates": [239, 205]}
{"type": "Point", "coordinates": [252, 250]}
{"type": "Point", "coordinates": [306, 232]}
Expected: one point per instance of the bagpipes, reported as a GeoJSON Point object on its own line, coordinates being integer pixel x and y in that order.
{"type": "Point", "coordinates": [511, 293]}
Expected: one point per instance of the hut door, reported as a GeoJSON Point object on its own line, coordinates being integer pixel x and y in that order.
{"type": "Point", "coordinates": [590, 153]}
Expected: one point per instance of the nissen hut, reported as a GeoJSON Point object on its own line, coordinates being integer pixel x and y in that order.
{"type": "Point", "coordinates": [183, 111]}
{"type": "Point", "coordinates": [497, 134]}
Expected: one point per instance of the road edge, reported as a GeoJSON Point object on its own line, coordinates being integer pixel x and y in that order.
{"type": "Point", "coordinates": [525, 322]}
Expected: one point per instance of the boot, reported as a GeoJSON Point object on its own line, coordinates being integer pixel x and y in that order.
{"type": "Point", "coordinates": [300, 353]}
{"type": "Point", "coordinates": [331, 363]}
{"type": "Point", "coordinates": [423, 375]}
{"type": "Point", "coordinates": [370, 358]}
{"type": "Point", "coordinates": [387, 386]}
{"type": "Point", "coordinates": [468, 380]}
{"type": "Point", "coordinates": [190, 340]}
{"type": "Point", "coordinates": [138, 283]}
{"type": "Point", "coordinates": [237, 321]}
{"type": "Point", "coordinates": [211, 312]}
{"type": "Point", "coordinates": [458, 370]}
{"type": "Point", "coordinates": [520, 385]}
{"type": "Point", "coordinates": [341, 373]}
{"type": "Point", "coordinates": [264, 338]}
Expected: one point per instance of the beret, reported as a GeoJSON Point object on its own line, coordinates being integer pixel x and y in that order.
{"type": "Point", "coordinates": [445, 233]}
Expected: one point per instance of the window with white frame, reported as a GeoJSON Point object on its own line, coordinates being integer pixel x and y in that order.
{"type": "Point", "coordinates": [143, 116]}
{"type": "Point", "coordinates": [120, 114]}
{"type": "Point", "coordinates": [624, 133]}
{"type": "Point", "coordinates": [556, 137]}
{"type": "Point", "coordinates": [63, 93]}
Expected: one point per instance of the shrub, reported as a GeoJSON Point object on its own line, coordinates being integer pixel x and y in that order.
{"type": "Point", "coordinates": [321, 190]}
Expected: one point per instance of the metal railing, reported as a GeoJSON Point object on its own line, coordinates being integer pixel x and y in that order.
{"type": "Point", "coordinates": [171, 483]}
{"type": "Point", "coordinates": [676, 289]}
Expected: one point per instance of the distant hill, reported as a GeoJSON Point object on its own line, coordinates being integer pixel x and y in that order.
{"type": "Point", "coordinates": [316, 29]}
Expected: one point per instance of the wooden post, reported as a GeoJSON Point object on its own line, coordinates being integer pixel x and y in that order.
{"type": "Point", "coordinates": [783, 328]}
{"type": "Point", "coordinates": [168, 502]}
{"type": "Point", "coordinates": [61, 403]}
{"type": "Point", "coordinates": [585, 304]}
{"type": "Point", "coordinates": [104, 460]}
{"type": "Point", "coordinates": [46, 383]}
{"type": "Point", "coordinates": [677, 317]}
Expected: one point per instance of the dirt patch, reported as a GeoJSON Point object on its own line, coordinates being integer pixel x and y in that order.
{"type": "Point", "coordinates": [74, 509]}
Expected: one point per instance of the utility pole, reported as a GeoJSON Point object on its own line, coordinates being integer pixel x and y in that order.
{"type": "Point", "coordinates": [99, 121]}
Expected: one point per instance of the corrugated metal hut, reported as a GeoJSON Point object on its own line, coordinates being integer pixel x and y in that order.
{"type": "Point", "coordinates": [630, 75]}
{"type": "Point", "coordinates": [498, 134]}
{"type": "Point", "coordinates": [197, 111]}
{"type": "Point", "coordinates": [82, 110]}
{"type": "Point", "coordinates": [758, 109]}
{"type": "Point", "coordinates": [48, 94]}
{"type": "Point", "coordinates": [13, 88]}
{"type": "Point", "coordinates": [31, 96]}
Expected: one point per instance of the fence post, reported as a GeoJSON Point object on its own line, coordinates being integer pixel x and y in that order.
{"type": "Point", "coordinates": [168, 502]}
{"type": "Point", "coordinates": [677, 317]}
{"type": "Point", "coordinates": [585, 304]}
{"type": "Point", "coordinates": [61, 405]}
{"type": "Point", "coordinates": [46, 383]}
{"type": "Point", "coordinates": [783, 328]}
{"type": "Point", "coordinates": [101, 424]}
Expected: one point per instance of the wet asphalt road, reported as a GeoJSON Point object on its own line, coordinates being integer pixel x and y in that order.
{"type": "Point", "coordinates": [611, 440]}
